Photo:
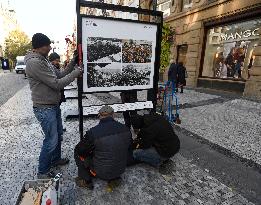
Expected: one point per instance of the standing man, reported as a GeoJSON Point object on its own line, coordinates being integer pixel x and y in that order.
{"type": "Point", "coordinates": [54, 58]}
{"type": "Point", "coordinates": [182, 75]}
{"type": "Point", "coordinates": [46, 84]}
{"type": "Point", "coordinates": [173, 74]}
{"type": "Point", "coordinates": [129, 96]}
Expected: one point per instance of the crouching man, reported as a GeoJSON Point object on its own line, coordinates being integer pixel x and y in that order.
{"type": "Point", "coordinates": [104, 151]}
{"type": "Point", "coordinates": [156, 141]}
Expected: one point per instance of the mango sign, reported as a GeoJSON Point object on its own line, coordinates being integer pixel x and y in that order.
{"type": "Point", "coordinates": [240, 35]}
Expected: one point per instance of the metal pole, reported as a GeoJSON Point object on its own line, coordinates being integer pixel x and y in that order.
{"type": "Point", "coordinates": [80, 79]}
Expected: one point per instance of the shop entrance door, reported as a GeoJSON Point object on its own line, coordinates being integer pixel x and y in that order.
{"type": "Point", "coordinates": [182, 53]}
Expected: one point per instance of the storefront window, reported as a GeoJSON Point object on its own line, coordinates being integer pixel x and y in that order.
{"type": "Point", "coordinates": [229, 50]}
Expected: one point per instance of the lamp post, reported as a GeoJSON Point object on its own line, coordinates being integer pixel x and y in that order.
{"type": "Point", "coordinates": [154, 3]}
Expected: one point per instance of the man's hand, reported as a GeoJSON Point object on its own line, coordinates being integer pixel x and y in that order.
{"type": "Point", "coordinates": [78, 70]}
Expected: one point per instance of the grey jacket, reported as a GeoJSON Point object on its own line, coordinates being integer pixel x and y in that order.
{"type": "Point", "coordinates": [45, 81]}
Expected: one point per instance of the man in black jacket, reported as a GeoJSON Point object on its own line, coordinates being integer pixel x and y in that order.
{"type": "Point", "coordinates": [182, 74]}
{"type": "Point", "coordinates": [156, 140]}
{"type": "Point", "coordinates": [173, 73]}
{"type": "Point", "coordinates": [104, 152]}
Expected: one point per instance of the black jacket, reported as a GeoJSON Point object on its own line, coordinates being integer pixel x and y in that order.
{"type": "Point", "coordinates": [181, 74]}
{"type": "Point", "coordinates": [173, 72]}
{"type": "Point", "coordinates": [108, 145]}
{"type": "Point", "coordinates": [159, 133]}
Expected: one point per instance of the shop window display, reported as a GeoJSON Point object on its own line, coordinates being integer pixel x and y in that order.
{"type": "Point", "coordinates": [229, 50]}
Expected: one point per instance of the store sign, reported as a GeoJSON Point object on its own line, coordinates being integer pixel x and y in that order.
{"type": "Point", "coordinates": [240, 35]}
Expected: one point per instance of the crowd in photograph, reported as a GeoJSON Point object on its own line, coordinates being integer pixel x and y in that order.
{"type": "Point", "coordinates": [129, 76]}
{"type": "Point", "coordinates": [136, 52]}
{"type": "Point", "coordinates": [98, 48]}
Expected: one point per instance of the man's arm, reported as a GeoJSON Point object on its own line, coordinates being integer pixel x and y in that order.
{"type": "Point", "coordinates": [69, 68]}
{"type": "Point", "coordinates": [42, 72]}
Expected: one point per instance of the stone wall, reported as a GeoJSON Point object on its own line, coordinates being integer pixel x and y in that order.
{"type": "Point", "coordinates": [253, 84]}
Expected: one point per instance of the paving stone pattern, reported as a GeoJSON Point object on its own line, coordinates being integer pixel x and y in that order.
{"type": "Point", "coordinates": [20, 142]}
{"type": "Point", "coordinates": [234, 125]}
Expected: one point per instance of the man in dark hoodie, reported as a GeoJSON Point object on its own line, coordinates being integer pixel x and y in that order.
{"type": "Point", "coordinates": [156, 140]}
{"type": "Point", "coordinates": [46, 84]}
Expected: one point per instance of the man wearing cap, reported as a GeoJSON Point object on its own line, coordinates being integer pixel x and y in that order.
{"type": "Point", "coordinates": [104, 151]}
{"type": "Point", "coordinates": [46, 84]}
{"type": "Point", "coordinates": [55, 60]}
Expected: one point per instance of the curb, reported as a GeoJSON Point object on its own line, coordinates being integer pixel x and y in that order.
{"type": "Point", "coordinates": [223, 150]}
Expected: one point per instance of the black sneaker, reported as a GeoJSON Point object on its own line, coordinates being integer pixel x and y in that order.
{"type": "Point", "coordinates": [61, 162]}
{"type": "Point", "coordinates": [48, 175]}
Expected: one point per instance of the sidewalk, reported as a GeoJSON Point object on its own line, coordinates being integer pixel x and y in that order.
{"type": "Point", "coordinates": [20, 142]}
{"type": "Point", "coordinates": [234, 124]}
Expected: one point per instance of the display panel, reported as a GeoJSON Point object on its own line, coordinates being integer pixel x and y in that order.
{"type": "Point", "coordinates": [117, 55]}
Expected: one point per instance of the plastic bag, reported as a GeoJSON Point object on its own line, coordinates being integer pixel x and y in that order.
{"type": "Point", "coordinates": [49, 196]}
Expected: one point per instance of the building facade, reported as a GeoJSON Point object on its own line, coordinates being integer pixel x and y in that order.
{"type": "Point", "coordinates": [216, 42]}
{"type": "Point", "coordinates": [8, 22]}
{"type": "Point", "coordinates": [164, 6]}
{"type": "Point", "coordinates": [219, 43]}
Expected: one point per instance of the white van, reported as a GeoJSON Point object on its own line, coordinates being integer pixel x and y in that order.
{"type": "Point", "coordinates": [20, 65]}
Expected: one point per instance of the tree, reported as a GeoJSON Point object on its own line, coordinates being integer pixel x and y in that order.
{"type": "Point", "coordinates": [167, 40]}
{"type": "Point", "coordinates": [17, 43]}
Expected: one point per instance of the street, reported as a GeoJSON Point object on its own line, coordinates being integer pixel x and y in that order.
{"type": "Point", "coordinates": [219, 161]}
{"type": "Point", "coordinates": [10, 84]}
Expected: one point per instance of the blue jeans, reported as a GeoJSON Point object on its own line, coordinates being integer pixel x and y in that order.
{"type": "Point", "coordinates": [149, 156]}
{"type": "Point", "coordinates": [51, 123]}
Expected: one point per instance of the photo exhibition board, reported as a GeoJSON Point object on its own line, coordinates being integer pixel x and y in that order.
{"type": "Point", "coordinates": [117, 55]}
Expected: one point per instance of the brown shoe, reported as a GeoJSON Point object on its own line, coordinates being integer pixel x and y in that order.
{"type": "Point", "coordinates": [112, 184]}
{"type": "Point", "coordinates": [83, 183]}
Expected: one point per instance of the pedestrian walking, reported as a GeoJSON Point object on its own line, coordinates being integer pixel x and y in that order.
{"type": "Point", "coordinates": [182, 75]}
{"type": "Point", "coordinates": [46, 84]}
{"type": "Point", "coordinates": [173, 73]}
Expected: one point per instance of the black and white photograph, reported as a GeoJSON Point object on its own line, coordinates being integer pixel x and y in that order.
{"type": "Point", "coordinates": [135, 74]}
{"type": "Point", "coordinates": [117, 55]}
{"type": "Point", "coordinates": [136, 51]}
{"type": "Point", "coordinates": [103, 50]}
{"type": "Point", "coordinates": [103, 74]}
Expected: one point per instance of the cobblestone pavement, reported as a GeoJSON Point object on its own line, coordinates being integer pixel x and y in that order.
{"type": "Point", "coordinates": [234, 124]}
{"type": "Point", "coordinates": [20, 142]}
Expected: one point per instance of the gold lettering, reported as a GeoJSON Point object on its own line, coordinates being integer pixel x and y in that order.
{"type": "Point", "coordinates": [237, 35]}
{"type": "Point", "coordinates": [223, 37]}
{"type": "Point", "coordinates": [255, 32]}
{"type": "Point", "coordinates": [247, 33]}
{"type": "Point", "coordinates": [231, 36]}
